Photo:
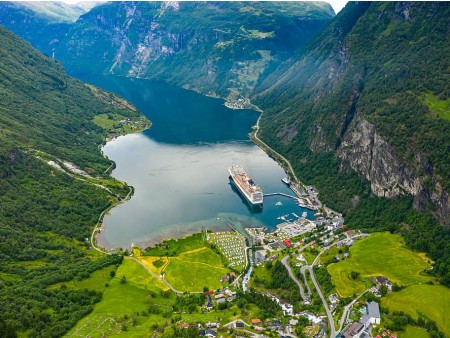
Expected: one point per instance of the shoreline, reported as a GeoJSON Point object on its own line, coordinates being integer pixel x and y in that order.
{"type": "Point", "coordinates": [184, 229]}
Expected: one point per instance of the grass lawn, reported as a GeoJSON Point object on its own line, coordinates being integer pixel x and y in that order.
{"type": "Point", "coordinates": [191, 271]}
{"type": "Point", "coordinates": [380, 254]}
{"type": "Point", "coordinates": [431, 301]}
{"type": "Point", "coordinates": [108, 316]}
{"type": "Point", "coordinates": [413, 332]}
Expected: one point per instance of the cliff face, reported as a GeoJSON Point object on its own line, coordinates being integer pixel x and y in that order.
{"type": "Point", "coordinates": [367, 152]}
{"type": "Point", "coordinates": [365, 93]}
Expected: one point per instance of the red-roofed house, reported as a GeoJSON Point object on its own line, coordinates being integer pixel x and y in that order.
{"type": "Point", "coordinates": [287, 242]}
{"type": "Point", "coordinates": [349, 233]}
{"type": "Point", "coordinates": [256, 321]}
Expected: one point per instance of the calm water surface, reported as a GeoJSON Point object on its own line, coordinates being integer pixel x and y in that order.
{"type": "Point", "coordinates": [179, 167]}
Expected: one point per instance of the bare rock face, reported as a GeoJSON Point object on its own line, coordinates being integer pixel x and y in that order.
{"type": "Point", "coordinates": [368, 153]}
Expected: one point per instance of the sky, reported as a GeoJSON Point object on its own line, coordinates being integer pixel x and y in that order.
{"type": "Point", "coordinates": [336, 4]}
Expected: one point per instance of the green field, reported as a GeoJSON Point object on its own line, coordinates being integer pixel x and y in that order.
{"type": "Point", "coordinates": [96, 281]}
{"type": "Point", "coordinates": [380, 254]}
{"type": "Point", "coordinates": [128, 299]}
{"type": "Point", "coordinates": [413, 332]}
{"type": "Point", "coordinates": [431, 301]}
{"type": "Point", "coordinates": [440, 107]}
{"type": "Point", "coordinates": [191, 271]}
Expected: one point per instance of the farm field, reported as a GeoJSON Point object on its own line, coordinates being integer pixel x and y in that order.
{"type": "Point", "coordinates": [121, 303]}
{"type": "Point", "coordinates": [188, 264]}
{"type": "Point", "coordinates": [413, 332]}
{"type": "Point", "coordinates": [431, 301]}
{"type": "Point", "coordinates": [193, 270]}
{"type": "Point", "coordinates": [380, 254]}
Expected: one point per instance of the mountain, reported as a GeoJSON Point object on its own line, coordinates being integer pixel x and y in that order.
{"type": "Point", "coordinates": [363, 114]}
{"type": "Point", "coordinates": [53, 187]}
{"type": "Point", "coordinates": [55, 11]}
{"type": "Point", "coordinates": [217, 48]}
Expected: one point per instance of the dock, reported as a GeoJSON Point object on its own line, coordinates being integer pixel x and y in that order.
{"type": "Point", "coordinates": [280, 194]}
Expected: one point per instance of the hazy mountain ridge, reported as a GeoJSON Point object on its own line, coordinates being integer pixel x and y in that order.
{"type": "Point", "coordinates": [229, 46]}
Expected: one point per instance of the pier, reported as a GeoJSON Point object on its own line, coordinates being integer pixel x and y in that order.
{"type": "Point", "coordinates": [280, 194]}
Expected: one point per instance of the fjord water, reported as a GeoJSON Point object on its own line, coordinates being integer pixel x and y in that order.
{"type": "Point", "coordinates": [179, 167]}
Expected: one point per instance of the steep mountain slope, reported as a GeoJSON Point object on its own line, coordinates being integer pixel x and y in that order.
{"type": "Point", "coordinates": [217, 48]}
{"type": "Point", "coordinates": [52, 189]}
{"type": "Point", "coordinates": [363, 99]}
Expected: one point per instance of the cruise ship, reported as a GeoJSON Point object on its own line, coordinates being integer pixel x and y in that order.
{"type": "Point", "coordinates": [246, 185]}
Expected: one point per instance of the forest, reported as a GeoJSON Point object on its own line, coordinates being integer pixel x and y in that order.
{"type": "Point", "coordinates": [47, 215]}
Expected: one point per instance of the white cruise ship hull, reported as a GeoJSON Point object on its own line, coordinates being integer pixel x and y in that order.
{"type": "Point", "coordinates": [255, 198]}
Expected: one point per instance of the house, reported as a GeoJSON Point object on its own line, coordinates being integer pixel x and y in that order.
{"type": "Point", "coordinates": [353, 331]}
{"type": "Point", "coordinates": [210, 333]}
{"type": "Point", "coordinates": [201, 333]}
{"type": "Point", "coordinates": [293, 322]}
{"type": "Point", "coordinates": [380, 280]}
{"type": "Point", "coordinates": [287, 242]}
{"type": "Point", "coordinates": [256, 321]}
{"type": "Point", "coordinates": [239, 324]}
{"type": "Point", "coordinates": [349, 234]}
{"type": "Point", "coordinates": [220, 295]}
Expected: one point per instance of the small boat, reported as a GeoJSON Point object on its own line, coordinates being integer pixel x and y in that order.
{"type": "Point", "coordinates": [304, 214]}
{"type": "Point", "coordinates": [278, 203]}
{"type": "Point", "coordinates": [286, 181]}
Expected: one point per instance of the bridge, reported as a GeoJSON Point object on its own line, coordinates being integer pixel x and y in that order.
{"type": "Point", "coordinates": [280, 194]}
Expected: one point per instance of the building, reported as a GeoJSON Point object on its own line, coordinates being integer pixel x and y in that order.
{"type": "Point", "coordinates": [239, 324]}
{"type": "Point", "coordinates": [256, 321]}
{"type": "Point", "coordinates": [287, 242]}
{"type": "Point", "coordinates": [354, 330]}
{"type": "Point", "coordinates": [373, 311]}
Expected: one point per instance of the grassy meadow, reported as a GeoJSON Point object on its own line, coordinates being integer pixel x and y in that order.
{"type": "Point", "coordinates": [380, 254]}
{"type": "Point", "coordinates": [413, 332]}
{"type": "Point", "coordinates": [429, 301]}
{"type": "Point", "coordinates": [188, 264]}
{"type": "Point", "coordinates": [121, 311]}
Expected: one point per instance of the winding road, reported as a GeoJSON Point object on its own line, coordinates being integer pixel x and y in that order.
{"type": "Point", "coordinates": [294, 278]}
{"type": "Point", "coordinates": [309, 268]}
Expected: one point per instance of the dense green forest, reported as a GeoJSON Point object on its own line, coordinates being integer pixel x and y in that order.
{"type": "Point", "coordinates": [47, 214]}
{"type": "Point", "coordinates": [387, 64]}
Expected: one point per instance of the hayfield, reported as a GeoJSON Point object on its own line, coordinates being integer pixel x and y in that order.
{"type": "Point", "coordinates": [429, 301]}
{"type": "Point", "coordinates": [380, 254]}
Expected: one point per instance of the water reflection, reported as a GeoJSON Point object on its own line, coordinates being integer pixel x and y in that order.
{"type": "Point", "coordinates": [179, 167]}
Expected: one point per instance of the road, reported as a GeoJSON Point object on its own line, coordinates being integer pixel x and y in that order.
{"type": "Point", "coordinates": [296, 180]}
{"type": "Point", "coordinates": [347, 308]}
{"type": "Point", "coordinates": [324, 301]}
{"type": "Point", "coordinates": [294, 278]}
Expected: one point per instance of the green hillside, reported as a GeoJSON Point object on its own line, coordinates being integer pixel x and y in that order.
{"type": "Point", "coordinates": [354, 116]}
{"type": "Point", "coordinates": [48, 209]}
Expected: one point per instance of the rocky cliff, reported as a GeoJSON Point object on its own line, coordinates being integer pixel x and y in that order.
{"type": "Point", "coordinates": [364, 96]}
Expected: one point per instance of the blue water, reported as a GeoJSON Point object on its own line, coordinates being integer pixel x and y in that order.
{"type": "Point", "coordinates": [179, 167]}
